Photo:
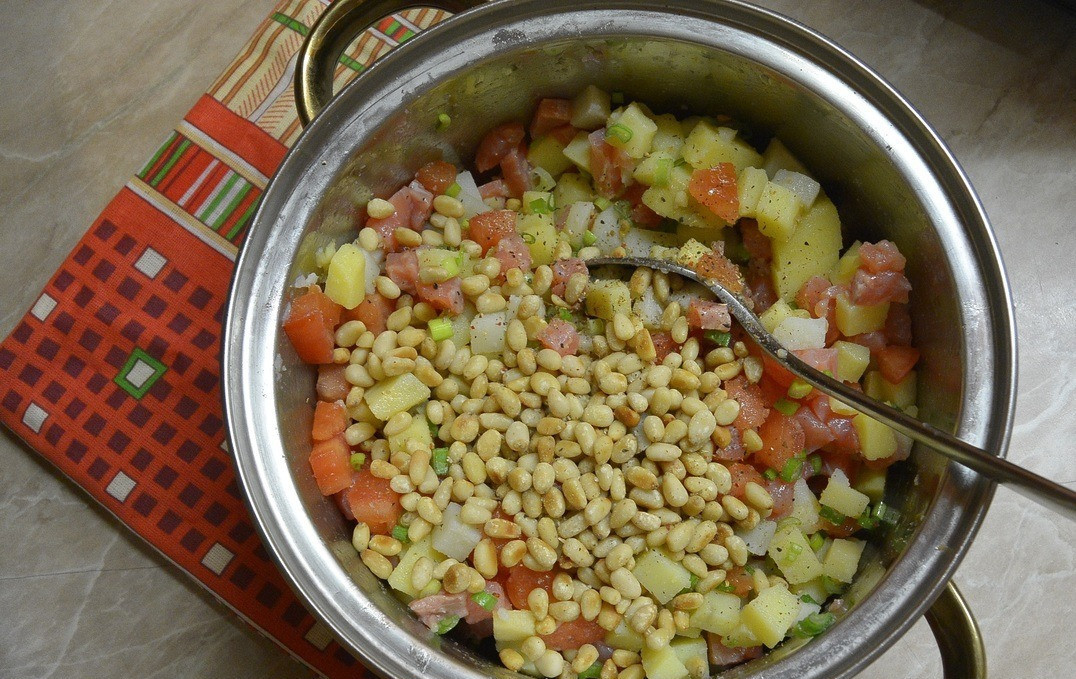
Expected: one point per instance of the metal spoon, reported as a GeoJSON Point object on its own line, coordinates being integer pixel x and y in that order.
{"type": "Point", "coordinates": [1047, 493]}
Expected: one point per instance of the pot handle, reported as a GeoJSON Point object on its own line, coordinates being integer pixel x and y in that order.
{"type": "Point", "coordinates": [330, 35]}
{"type": "Point", "coordinates": [957, 634]}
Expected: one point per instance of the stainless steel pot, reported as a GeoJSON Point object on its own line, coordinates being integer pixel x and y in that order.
{"type": "Point", "coordinates": [888, 172]}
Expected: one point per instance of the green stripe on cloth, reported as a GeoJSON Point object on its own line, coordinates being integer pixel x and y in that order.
{"type": "Point", "coordinates": [351, 63]}
{"type": "Point", "coordinates": [176, 155]}
{"type": "Point", "coordinates": [241, 224]}
{"type": "Point", "coordinates": [218, 195]}
{"type": "Point", "coordinates": [232, 205]}
{"type": "Point", "coordinates": [157, 156]}
{"type": "Point", "coordinates": [297, 26]}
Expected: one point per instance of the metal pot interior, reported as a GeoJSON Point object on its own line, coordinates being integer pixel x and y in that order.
{"type": "Point", "coordinates": [885, 170]}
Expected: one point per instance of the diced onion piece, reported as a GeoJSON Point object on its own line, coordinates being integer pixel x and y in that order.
{"type": "Point", "coordinates": [805, 188]}
{"type": "Point", "coordinates": [374, 261]}
{"type": "Point", "coordinates": [487, 333]}
{"type": "Point", "coordinates": [801, 333]}
{"type": "Point", "coordinates": [469, 196]}
{"type": "Point", "coordinates": [607, 230]}
{"type": "Point", "coordinates": [758, 538]}
{"type": "Point", "coordinates": [453, 538]}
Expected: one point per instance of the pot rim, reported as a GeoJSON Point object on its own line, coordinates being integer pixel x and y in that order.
{"type": "Point", "coordinates": [911, 584]}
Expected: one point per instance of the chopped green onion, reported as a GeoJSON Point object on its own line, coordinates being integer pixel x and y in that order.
{"type": "Point", "coordinates": [465, 224]}
{"type": "Point", "coordinates": [589, 239]}
{"type": "Point", "coordinates": [602, 203]}
{"type": "Point", "coordinates": [661, 172]}
{"type": "Point", "coordinates": [453, 190]}
{"type": "Point", "coordinates": [792, 469]}
{"type": "Point", "coordinates": [616, 98]}
{"type": "Point", "coordinates": [564, 314]}
{"type": "Point", "coordinates": [446, 624]}
{"type": "Point", "coordinates": [440, 329]}
{"type": "Point", "coordinates": [540, 206]}
{"type": "Point", "coordinates": [770, 474]}
{"type": "Point", "coordinates": [816, 541]}
{"type": "Point", "coordinates": [694, 582]}
{"type": "Point", "coordinates": [434, 429]}
{"type": "Point", "coordinates": [831, 586]}
{"type": "Point", "coordinates": [623, 208]}
{"type": "Point", "coordinates": [451, 265]}
{"type": "Point", "coordinates": [721, 339]}
{"type": "Point", "coordinates": [816, 464]}
{"type": "Point", "coordinates": [799, 389]}
{"type": "Point", "coordinates": [595, 326]}
{"type": "Point", "coordinates": [726, 587]}
{"type": "Point", "coordinates": [399, 531]}
{"type": "Point", "coordinates": [808, 599]}
{"type": "Point", "coordinates": [443, 121]}
{"type": "Point", "coordinates": [749, 569]}
{"type": "Point", "coordinates": [867, 520]}
{"type": "Point", "coordinates": [528, 238]}
{"type": "Point", "coordinates": [786, 407]}
{"type": "Point", "coordinates": [439, 461]}
{"type": "Point", "coordinates": [357, 460]}
{"type": "Point", "coordinates": [622, 133]}
{"type": "Point", "coordinates": [813, 625]}
{"type": "Point", "coordinates": [592, 672]}
{"type": "Point", "coordinates": [886, 514]}
{"type": "Point", "coordinates": [485, 600]}
{"type": "Point", "coordinates": [794, 551]}
{"type": "Point", "coordinates": [832, 515]}
{"type": "Point", "coordinates": [679, 162]}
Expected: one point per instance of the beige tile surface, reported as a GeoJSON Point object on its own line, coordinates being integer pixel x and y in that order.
{"type": "Point", "coordinates": [92, 88]}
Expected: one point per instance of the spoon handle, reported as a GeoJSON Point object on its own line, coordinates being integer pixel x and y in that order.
{"type": "Point", "coordinates": [1051, 495]}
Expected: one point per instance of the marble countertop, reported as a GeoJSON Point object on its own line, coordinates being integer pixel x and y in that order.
{"type": "Point", "coordinates": [94, 87]}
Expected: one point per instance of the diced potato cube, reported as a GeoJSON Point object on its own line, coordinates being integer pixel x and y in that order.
{"type": "Point", "coordinates": [777, 212]}
{"type": "Point", "coordinates": [607, 297]}
{"type": "Point", "coordinates": [845, 270]}
{"type": "Point", "coordinates": [812, 250]}
{"type": "Point", "coordinates": [400, 579]}
{"type": "Point", "coordinates": [842, 559]}
{"type": "Point", "coordinates": [778, 312]}
{"type": "Point", "coordinates": [418, 430]}
{"type": "Point", "coordinates": [395, 395]}
{"type": "Point", "coordinates": [656, 169]}
{"type": "Point", "coordinates": [876, 440]}
{"type": "Point", "coordinates": [741, 637]}
{"type": "Point", "coordinates": [706, 235]}
{"type": "Point", "coordinates": [548, 154]}
{"type": "Point", "coordinates": [512, 625]}
{"type": "Point", "coordinates": [871, 482]}
{"type": "Point", "coordinates": [671, 200]}
{"type": "Point", "coordinates": [750, 185]}
{"type": "Point", "coordinates": [535, 201]}
{"type": "Point", "coordinates": [902, 394]}
{"type": "Point", "coordinates": [572, 188]}
{"type": "Point", "coordinates": [669, 137]}
{"type": "Point", "coordinates": [770, 614]}
{"type": "Point", "coordinates": [840, 496]}
{"type": "Point", "coordinates": [693, 653]}
{"type": "Point", "coordinates": [855, 319]}
{"type": "Point", "coordinates": [578, 151]}
{"type": "Point", "coordinates": [691, 252]}
{"type": "Point", "coordinates": [590, 108]}
{"type": "Point", "coordinates": [641, 128]}
{"type": "Point", "coordinates": [431, 257]}
{"type": "Point", "coordinates": [778, 157]}
{"type": "Point", "coordinates": [815, 589]}
{"type": "Point", "coordinates": [345, 283]}
{"type": "Point", "coordinates": [663, 663]}
{"type": "Point", "coordinates": [852, 360]}
{"type": "Point", "coordinates": [660, 575]}
{"type": "Point", "coordinates": [361, 412]}
{"type": "Point", "coordinates": [708, 146]}
{"type": "Point", "coordinates": [624, 637]}
{"type": "Point", "coordinates": [540, 235]}
{"type": "Point", "coordinates": [719, 612]}
{"type": "Point", "coordinates": [792, 554]}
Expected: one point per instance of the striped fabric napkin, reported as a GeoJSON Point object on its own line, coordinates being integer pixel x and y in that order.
{"type": "Point", "coordinates": [113, 373]}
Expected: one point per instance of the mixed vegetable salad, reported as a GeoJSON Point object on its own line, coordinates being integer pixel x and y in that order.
{"type": "Point", "coordinates": [606, 475]}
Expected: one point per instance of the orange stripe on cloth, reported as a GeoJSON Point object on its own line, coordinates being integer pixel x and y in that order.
{"type": "Point", "coordinates": [243, 137]}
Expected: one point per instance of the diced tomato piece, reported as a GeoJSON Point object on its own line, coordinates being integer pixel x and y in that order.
{"type": "Point", "coordinates": [564, 269]}
{"type": "Point", "coordinates": [374, 502]}
{"type": "Point", "coordinates": [513, 253]}
{"type": "Point", "coordinates": [611, 167]}
{"type": "Point", "coordinates": [373, 311]}
{"type": "Point", "coordinates": [341, 501]}
{"type": "Point", "coordinates": [848, 527]}
{"type": "Point", "coordinates": [753, 410]}
{"type": "Point", "coordinates": [742, 474]}
{"type": "Point", "coordinates": [517, 172]}
{"type": "Point", "coordinates": [740, 580]}
{"type": "Point", "coordinates": [560, 336]}
{"type": "Point", "coordinates": [875, 288]}
{"type": "Point", "coordinates": [776, 372]}
{"type": "Point", "coordinates": [723, 656]}
{"type": "Point", "coordinates": [782, 439]}
{"type": "Point", "coordinates": [734, 450]}
{"type": "Point", "coordinates": [896, 362]}
{"type": "Point", "coordinates": [309, 325]}
{"type": "Point", "coordinates": [563, 134]}
{"type": "Point", "coordinates": [496, 145]}
{"type": "Point", "coordinates": [574, 634]}
{"type": "Point", "coordinates": [664, 344]}
{"type": "Point", "coordinates": [330, 419]}
{"type": "Point", "coordinates": [402, 269]}
{"type": "Point", "coordinates": [898, 325]}
{"type": "Point", "coordinates": [331, 463]}
{"type": "Point", "coordinates": [816, 433]}
{"type": "Point", "coordinates": [437, 176]}
{"type": "Point", "coordinates": [488, 228]}
{"type": "Point", "coordinates": [551, 113]}
{"type": "Point", "coordinates": [757, 244]}
{"type": "Point", "coordinates": [717, 189]}
{"type": "Point", "coordinates": [494, 189]}
{"type": "Point", "coordinates": [446, 296]}
{"type": "Point", "coordinates": [332, 386]}
{"type": "Point", "coordinates": [641, 215]}
{"type": "Point", "coordinates": [875, 341]}
{"type": "Point", "coordinates": [709, 315]}
{"type": "Point", "coordinates": [521, 580]}
{"type": "Point", "coordinates": [717, 266]}
{"type": "Point", "coordinates": [782, 495]}
{"type": "Point", "coordinates": [881, 256]}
